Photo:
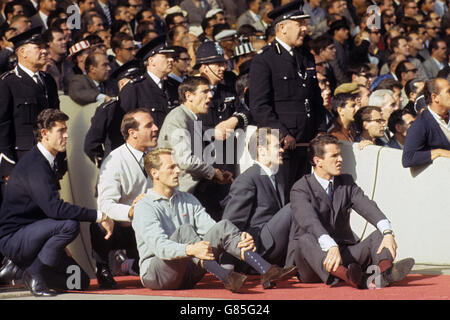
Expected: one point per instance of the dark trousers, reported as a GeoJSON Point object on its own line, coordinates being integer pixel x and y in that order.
{"type": "Point", "coordinates": [122, 238]}
{"type": "Point", "coordinates": [211, 196]}
{"type": "Point", "coordinates": [46, 240]}
{"type": "Point", "coordinates": [309, 256]}
{"type": "Point", "coordinates": [295, 165]}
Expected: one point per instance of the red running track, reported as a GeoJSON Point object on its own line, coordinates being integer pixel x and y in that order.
{"type": "Point", "coordinates": [413, 287]}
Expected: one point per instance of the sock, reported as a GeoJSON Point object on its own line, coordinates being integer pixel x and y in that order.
{"type": "Point", "coordinates": [384, 265]}
{"type": "Point", "coordinates": [128, 267]}
{"type": "Point", "coordinates": [256, 261]}
{"type": "Point", "coordinates": [213, 267]}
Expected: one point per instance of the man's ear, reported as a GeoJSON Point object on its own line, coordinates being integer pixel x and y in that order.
{"type": "Point", "coordinates": [316, 161]}
{"type": "Point", "coordinates": [154, 173]}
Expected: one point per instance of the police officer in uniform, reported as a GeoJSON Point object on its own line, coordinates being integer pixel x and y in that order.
{"type": "Point", "coordinates": [149, 90]}
{"type": "Point", "coordinates": [24, 92]}
{"type": "Point", "coordinates": [222, 116]}
{"type": "Point", "coordinates": [284, 91]}
{"type": "Point", "coordinates": [104, 134]}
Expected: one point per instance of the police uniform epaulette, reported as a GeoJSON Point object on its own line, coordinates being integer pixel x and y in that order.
{"type": "Point", "coordinates": [137, 79]}
{"type": "Point", "coordinates": [110, 102]}
{"type": "Point", "coordinates": [265, 48]}
{"type": "Point", "coordinates": [6, 74]}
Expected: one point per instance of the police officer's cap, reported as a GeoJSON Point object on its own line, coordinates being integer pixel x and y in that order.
{"type": "Point", "coordinates": [209, 52]}
{"type": "Point", "coordinates": [154, 46]}
{"type": "Point", "coordinates": [131, 69]}
{"type": "Point", "coordinates": [289, 11]}
{"type": "Point", "coordinates": [30, 36]}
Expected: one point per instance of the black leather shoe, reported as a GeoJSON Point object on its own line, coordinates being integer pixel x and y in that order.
{"type": "Point", "coordinates": [106, 279]}
{"type": "Point", "coordinates": [37, 287]}
{"type": "Point", "coordinates": [274, 274]}
{"type": "Point", "coordinates": [398, 272]}
{"type": "Point", "coordinates": [235, 281]}
{"type": "Point", "coordinates": [8, 272]}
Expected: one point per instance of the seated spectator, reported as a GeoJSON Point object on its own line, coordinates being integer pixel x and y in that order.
{"type": "Point", "coordinates": [360, 74]}
{"type": "Point", "coordinates": [339, 30]}
{"type": "Point", "coordinates": [326, 250]}
{"type": "Point", "coordinates": [124, 50]}
{"type": "Point", "coordinates": [399, 122]}
{"type": "Point", "coordinates": [176, 19]}
{"type": "Point", "coordinates": [146, 15]}
{"type": "Point", "coordinates": [396, 87]}
{"type": "Point", "coordinates": [318, 20]}
{"type": "Point", "coordinates": [94, 85]}
{"type": "Point", "coordinates": [343, 107]}
{"type": "Point", "coordinates": [384, 99]}
{"type": "Point", "coordinates": [429, 136]}
{"type": "Point", "coordinates": [178, 241]}
{"type": "Point", "coordinates": [363, 98]}
{"type": "Point", "coordinates": [370, 127]}
{"type": "Point", "coordinates": [78, 54]}
{"type": "Point", "coordinates": [412, 89]}
{"type": "Point", "coordinates": [121, 26]}
{"type": "Point", "coordinates": [251, 16]}
{"type": "Point", "coordinates": [438, 58]}
{"type": "Point", "coordinates": [196, 10]}
{"type": "Point", "coordinates": [257, 204]}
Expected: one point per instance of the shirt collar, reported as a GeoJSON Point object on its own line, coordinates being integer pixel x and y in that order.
{"type": "Point", "coordinates": [189, 111]}
{"type": "Point", "coordinates": [254, 15]}
{"type": "Point", "coordinates": [50, 158]}
{"type": "Point", "coordinates": [440, 64]}
{"type": "Point", "coordinates": [154, 196]}
{"type": "Point", "coordinates": [154, 78]}
{"type": "Point", "coordinates": [28, 71]}
{"type": "Point", "coordinates": [439, 119]}
{"type": "Point", "coordinates": [174, 76]}
{"type": "Point", "coordinates": [284, 45]}
{"type": "Point", "coordinates": [266, 169]}
{"type": "Point", "coordinates": [138, 154]}
{"type": "Point", "coordinates": [44, 17]}
{"type": "Point", "coordinates": [323, 182]}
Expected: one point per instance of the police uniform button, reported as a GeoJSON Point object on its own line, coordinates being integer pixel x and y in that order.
{"type": "Point", "coordinates": [220, 117]}
{"type": "Point", "coordinates": [304, 85]}
{"type": "Point", "coordinates": [153, 109]}
{"type": "Point", "coordinates": [285, 78]}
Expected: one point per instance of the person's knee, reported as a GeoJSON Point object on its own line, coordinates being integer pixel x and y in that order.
{"type": "Point", "coordinates": [71, 227]}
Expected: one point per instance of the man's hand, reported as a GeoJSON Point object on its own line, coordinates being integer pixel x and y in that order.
{"type": "Point", "coordinates": [222, 177]}
{"type": "Point", "coordinates": [390, 244]}
{"type": "Point", "coordinates": [364, 143]}
{"type": "Point", "coordinates": [201, 250]}
{"type": "Point", "coordinates": [436, 153]}
{"type": "Point", "coordinates": [246, 243]}
{"type": "Point", "coordinates": [333, 259]}
{"type": "Point", "coordinates": [131, 211]}
{"type": "Point", "coordinates": [288, 142]}
{"type": "Point", "coordinates": [107, 224]}
{"type": "Point", "coordinates": [225, 128]}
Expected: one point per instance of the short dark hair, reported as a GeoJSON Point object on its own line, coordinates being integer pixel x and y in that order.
{"type": "Point", "coordinates": [118, 38]}
{"type": "Point", "coordinates": [401, 67]}
{"type": "Point", "coordinates": [47, 120]}
{"type": "Point", "coordinates": [190, 84]}
{"type": "Point", "coordinates": [317, 146]}
{"type": "Point", "coordinates": [410, 86]}
{"type": "Point", "coordinates": [320, 43]}
{"type": "Point", "coordinates": [388, 84]}
{"type": "Point", "coordinates": [431, 87]}
{"type": "Point", "coordinates": [396, 117]}
{"type": "Point", "coordinates": [339, 101]}
{"type": "Point", "coordinates": [170, 18]}
{"type": "Point", "coordinates": [129, 122]}
{"type": "Point", "coordinates": [362, 115]}
{"type": "Point", "coordinates": [259, 138]}
{"type": "Point", "coordinates": [395, 42]}
{"type": "Point", "coordinates": [48, 37]}
{"type": "Point", "coordinates": [178, 51]}
{"type": "Point", "coordinates": [141, 13]}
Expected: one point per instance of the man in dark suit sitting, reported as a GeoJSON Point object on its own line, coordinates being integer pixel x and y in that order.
{"type": "Point", "coordinates": [257, 204]}
{"type": "Point", "coordinates": [324, 246]}
{"type": "Point", "coordinates": [93, 86]}
{"type": "Point", "coordinates": [429, 135]}
{"type": "Point", "coordinates": [35, 224]}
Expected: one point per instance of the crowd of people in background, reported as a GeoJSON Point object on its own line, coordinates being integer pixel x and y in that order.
{"type": "Point", "coordinates": [373, 72]}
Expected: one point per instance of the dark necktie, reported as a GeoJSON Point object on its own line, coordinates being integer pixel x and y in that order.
{"type": "Point", "coordinates": [330, 191]}
{"type": "Point", "coordinates": [39, 81]}
{"type": "Point", "coordinates": [143, 163]}
{"type": "Point", "coordinates": [445, 117]}
{"type": "Point", "coordinates": [101, 88]}
{"type": "Point", "coordinates": [277, 189]}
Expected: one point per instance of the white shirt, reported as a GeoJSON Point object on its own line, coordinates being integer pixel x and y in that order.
{"type": "Point", "coordinates": [286, 46]}
{"type": "Point", "coordinates": [51, 160]}
{"type": "Point", "coordinates": [101, 96]}
{"type": "Point", "coordinates": [44, 18]}
{"type": "Point", "coordinates": [439, 120]}
{"type": "Point", "coordinates": [254, 16]}
{"type": "Point", "coordinates": [157, 80]}
{"type": "Point", "coordinates": [325, 241]}
{"type": "Point", "coordinates": [268, 172]}
{"type": "Point", "coordinates": [439, 64]}
{"type": "Point", "coordinates": [31, 73]}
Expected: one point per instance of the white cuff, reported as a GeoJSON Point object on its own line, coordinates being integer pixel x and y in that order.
{"type": "Point", "coordinates": [326, 242]}
{"type": "Point", "coordinates": [100, 97]}
{"type": "Point", "coordinates": [99, 216]}
{"type": "Point", "coordinates": [383, 225]}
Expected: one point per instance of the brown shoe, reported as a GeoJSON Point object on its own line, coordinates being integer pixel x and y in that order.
{"type": "Point", "coordinates": [235, 281]}
{"type": "Point", "coordinates": [274, 274]}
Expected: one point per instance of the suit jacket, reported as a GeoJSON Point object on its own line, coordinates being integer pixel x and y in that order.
{"type": "Point", "coordinates": [285, 94]}
{"type": "Point", "coordinates": [431, 67]}
{"type": "Point", "coordinates": [104, 134]}
{"type": "Point", "coordinates": [143, 92]}
{"type": "Point", "coordinates": [36, 21]}
{"type": "Point", "coordinates": [314, 212]}
{"type": "Point", "coordinates": [102, 13]}
{"type": "Point", "coordinates": [424, 135]}
{"type": "Point", "coordinates": [393, 143]}
{"type": "Point", "coordinates": [21, 100]}
{"type": "Point", "coordinates": [32, 195]}
{"type": "Point", "coordinates": [83, 90]}
{"type": "Point", "coordinates": [182, 133]}
{"type": "Point", "coordinates": [247, 18]}
{"type": "Point", "coordinates": [253, 201]}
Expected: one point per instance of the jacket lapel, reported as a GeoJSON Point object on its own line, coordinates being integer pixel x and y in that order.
{"type": "Point", "coordinates": [319, 192]}
{"type": "Point", "coordinates": [434, 123]}
{"type": "Point", "coordinates": [29, 81]}
{"type": "Point", "coordinates": [154, 86]}
{"type": "Point", "coordinates": [338, 197]}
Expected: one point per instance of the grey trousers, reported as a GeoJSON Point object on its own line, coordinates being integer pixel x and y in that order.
{"type": "Point", "coordinates": [186, 272]}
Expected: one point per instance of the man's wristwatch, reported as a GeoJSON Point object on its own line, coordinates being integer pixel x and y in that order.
{"type": "Point", "coordinates": [386, 232]}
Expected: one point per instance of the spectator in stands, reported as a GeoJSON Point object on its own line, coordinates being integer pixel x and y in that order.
{"type": "Point", "coordinates": [62, 25]}
{"type": "Point", "coordinates": [196, 10]}
{"type": "Point", "coordinates": [86, 5]}
{"type": "Point", "coordinates": [438, 58]}
{"type": "Point", "coordinates": [394, 86]}
{"type": "Point", "coordinates": [339, 30]}
{"type": "Point", "coordinates": [385, 100]}
{"type": "Point", "coordinates": [370, 127]}
{"type": "Point", "coordinates": [177, 34]}
{"type": "Point", "coordinates": [146, 15]}
{"type": "Point", "coordinates": [12, 8]}
{"type": "Point", "coordinates": [40, 18]}
{"type": "Point", "coordinates": [360, 74]}
{"type": "Point", "coordinates": [429, 136]}
{"type": "Point", "coordinates": [180, 70]}
{"type": "Point", "coordinates": [399, 122]}
{"type": "Point", "coordinates": [343, 106]}
{"type": "Point", "coordinates": [363, 98]}
{"type": "Point", "coordinates": [92, 22]}
{"type": "Point", "coordinates": [175, 253]}
{"type": "Point", "coordinates": [251, 16]}
{"type": "Point", "coordinates": [176, 19]}
{"type": "Point", "coordinates": [412, 89]}
{"type": "Point", "coordinates": [159, 9]}
{"type": "Point", "coordinates": [410, 8]}
{"type": "Point", "coordinates": [124, 49]}
{"type": "Point", "coordinates": [318, 21]}
{"type": "Point", "coordinates": [94, 85]}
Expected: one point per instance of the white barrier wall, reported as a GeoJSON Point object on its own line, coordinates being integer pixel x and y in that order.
{"type": "Point", "coordinates": [413, 200]}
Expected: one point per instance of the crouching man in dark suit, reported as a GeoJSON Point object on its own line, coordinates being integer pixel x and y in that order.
{"type": "Point", "coordinates": [324, 246]}
{"type": "Point", "coordinates": [257, 204]}
{"type": "Point", "coordinates": [35, 224]}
